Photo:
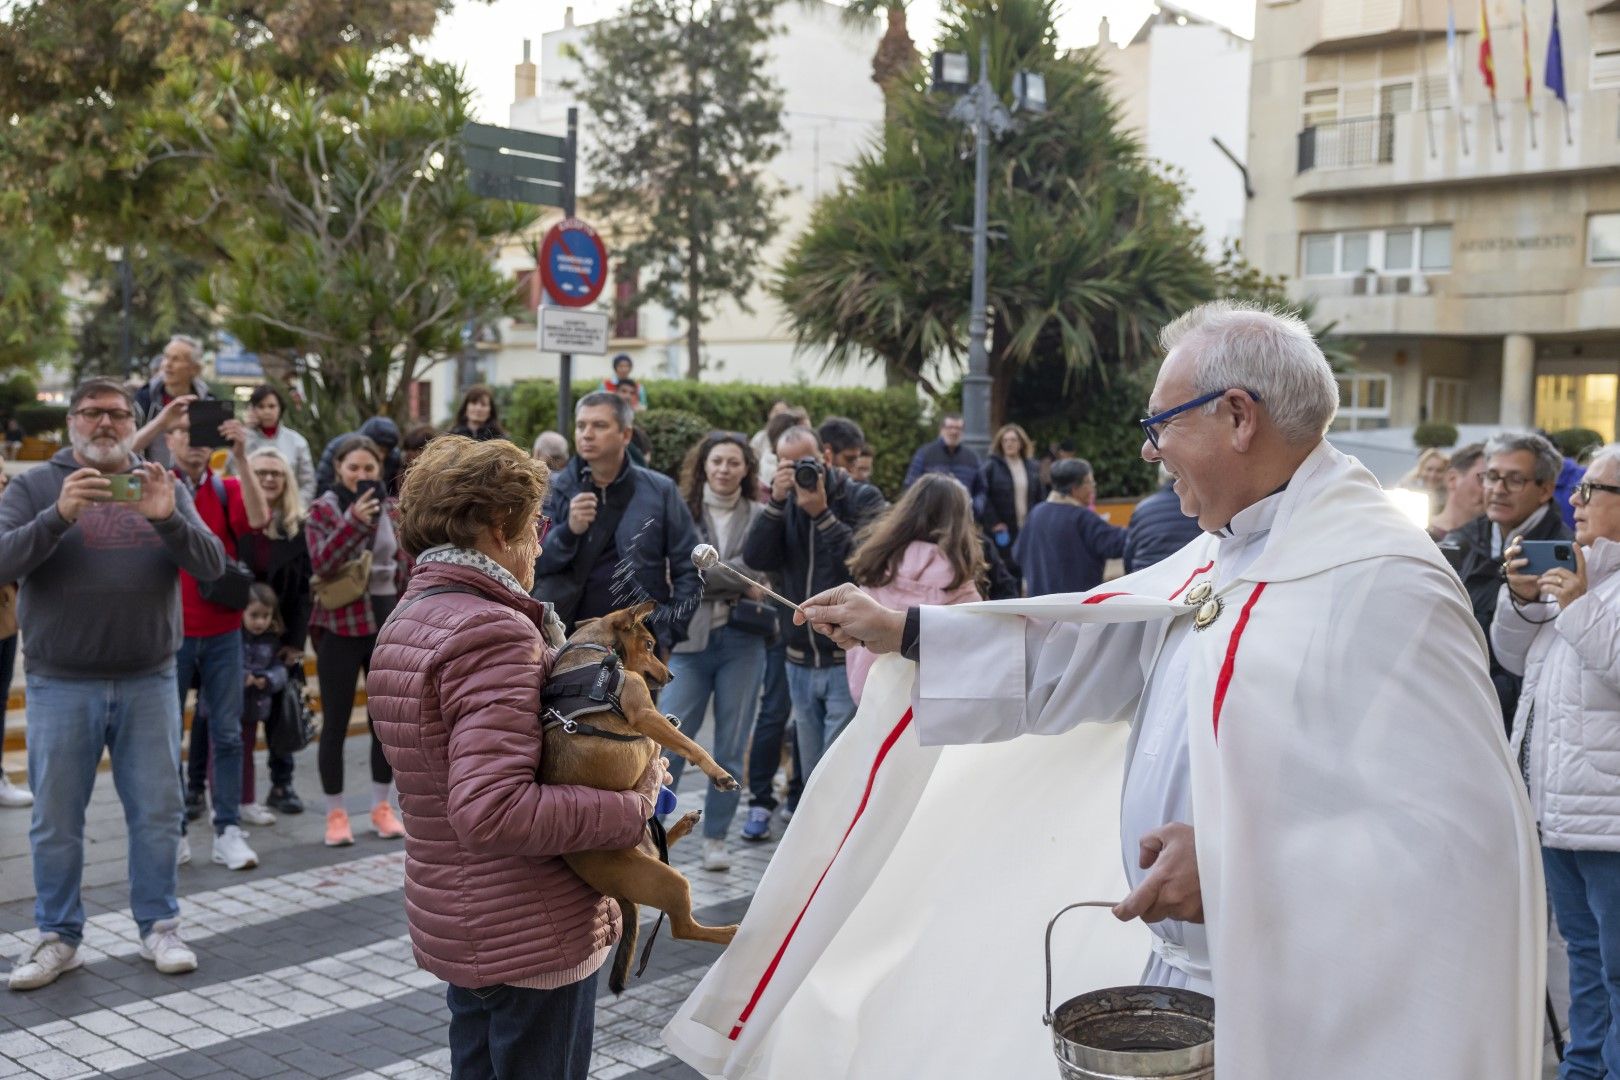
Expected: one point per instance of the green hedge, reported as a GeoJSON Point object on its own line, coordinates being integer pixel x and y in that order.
{"type": "Point", "coordinates": [40, 419]}
{"type": "Point", "coordinates": [892, 419]}
{"type": "Point", "coordinates": [1434, 434]}
{"type": "Point", "coordinates": [1576, 443]}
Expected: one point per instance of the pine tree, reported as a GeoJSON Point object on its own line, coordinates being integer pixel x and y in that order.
{"type": "Point", "coordinates": [684, 122]}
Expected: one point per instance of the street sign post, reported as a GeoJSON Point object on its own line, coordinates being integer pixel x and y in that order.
{"type": "Point", "coordinates": [531, 167]}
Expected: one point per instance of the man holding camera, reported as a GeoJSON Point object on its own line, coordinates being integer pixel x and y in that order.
{"type": "Point", "coordinates": [97, 540]}
{"type": "Point", "coordinates": [211, 652]}
{"type": "Point", "coordinates": [161, 404]}
{"type": "Point", "coordinates": [622, 533]}
{"type": "Point", "coordinates": [804, 537]}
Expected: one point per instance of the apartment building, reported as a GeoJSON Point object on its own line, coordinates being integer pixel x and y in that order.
{"type": "Point", "coordinates": [1472, 247]}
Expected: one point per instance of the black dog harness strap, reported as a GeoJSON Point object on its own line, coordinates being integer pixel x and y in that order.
{"type": "Point", "coordinates": [585, 691]}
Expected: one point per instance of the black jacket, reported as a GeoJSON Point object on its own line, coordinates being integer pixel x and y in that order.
{"type": "Point", "coordinates": [1000, 506]}
{"type": "Point", "coordinates": [654, 539]}
{"type": "Point", "coordinates": [1158, 530]}
{"type": "Point", "coordinates": [1468, 549]}
{"type": "Point", "coordinates": [809, 556]}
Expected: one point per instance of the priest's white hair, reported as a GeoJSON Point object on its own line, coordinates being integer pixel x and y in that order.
{"type": "Point", "coordinates": [1250, 347]}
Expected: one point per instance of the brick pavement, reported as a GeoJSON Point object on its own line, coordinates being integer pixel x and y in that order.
{"type": "Point", "coordinates": [304, 963]}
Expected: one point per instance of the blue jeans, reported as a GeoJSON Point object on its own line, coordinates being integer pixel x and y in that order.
{"type": "Point", "coordinates": [822, 708]}
{"type": "Point", "coordinates": [1584, 887]}
{"type": "Point", "coordinates": [765, 749]}
{"type": "Point", "coordinates": [70, 722]}
{"type": "Point", "coordinates": [730, 669]}
{"type": "Point", "coordinates": [509, 1033]}
{"type": "Point", "coordinates": [217, 660]}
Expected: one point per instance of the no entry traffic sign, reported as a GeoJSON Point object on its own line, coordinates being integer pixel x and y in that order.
{"type": "Point", "coordinates": [573, 263]}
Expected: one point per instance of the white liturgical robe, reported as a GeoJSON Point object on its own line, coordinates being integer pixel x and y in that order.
{"type": "Point", "coordinates": [1369, 870]}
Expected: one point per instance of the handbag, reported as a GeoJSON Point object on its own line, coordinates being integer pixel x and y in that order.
{"type": "Point", "coordinates": [291, 725]}
{"type": "Point", "coordinates": [233, 589]}
{"type": "Point", "coordinates": [343, 588]}
{"type": "Point", "coordinates": [8, 610]}
{"type": "Point", "coordinates": [754, 617]}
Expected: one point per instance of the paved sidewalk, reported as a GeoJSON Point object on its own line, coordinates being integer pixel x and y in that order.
{"type": "Point", "coordinates": [305, 967]}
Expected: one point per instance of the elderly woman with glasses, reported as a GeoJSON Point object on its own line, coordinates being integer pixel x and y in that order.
{"type": "Point", "coordinates": [1560, 630]}
{"type": "Point", "coordinates": [455, 695]}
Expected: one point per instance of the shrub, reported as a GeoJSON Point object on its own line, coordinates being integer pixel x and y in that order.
{"type": "Point", "coordinates": [1434, 434]}
{"type": "Point", "coordinates": [891, 419]}
{"type": "Point", "coordinates": [39, 419]}
{"type": "Point", "coordinates": [672, 433]}
{"type": "Point", "coordinates": [1577, 442]}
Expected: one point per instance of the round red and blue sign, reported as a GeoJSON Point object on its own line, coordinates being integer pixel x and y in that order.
{"type": "Point", "coordinates": [573, 263]}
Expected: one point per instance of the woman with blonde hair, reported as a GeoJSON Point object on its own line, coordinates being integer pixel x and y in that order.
{"type": "Point", "coordinates": [278, 555]}
{"type": "Point", "coordinates": [1012, 484]}
{"type": "Point", "coordinates": [924, 550]}
{"type": "Point", "coordinates": [454, 689]}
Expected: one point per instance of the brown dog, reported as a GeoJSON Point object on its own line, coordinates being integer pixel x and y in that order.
{"type": "Point", "coordinates": [632, 876]}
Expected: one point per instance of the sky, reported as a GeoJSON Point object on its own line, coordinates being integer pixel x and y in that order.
{"type": "Point", "coordinates": [487, 39]}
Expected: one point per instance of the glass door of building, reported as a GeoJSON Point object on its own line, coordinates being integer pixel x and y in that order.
{"type": "Point", "coordinates": [1578, 401]}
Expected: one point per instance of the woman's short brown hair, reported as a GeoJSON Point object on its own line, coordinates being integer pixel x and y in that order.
{"type": "Point", "coordinates": [459, 487]}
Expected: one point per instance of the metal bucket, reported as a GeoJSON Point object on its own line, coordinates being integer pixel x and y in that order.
{"type": "Point", "coordinates": [1130, 1031]}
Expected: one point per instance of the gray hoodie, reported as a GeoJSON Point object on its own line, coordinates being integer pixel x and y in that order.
{"type": "Point", "coordinates": [99, 597]}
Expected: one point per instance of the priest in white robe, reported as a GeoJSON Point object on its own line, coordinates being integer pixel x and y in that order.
{"type": "Point", "coordinates": [1318, 815]}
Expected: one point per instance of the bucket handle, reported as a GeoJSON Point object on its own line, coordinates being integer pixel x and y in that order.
{"type": "Point", "coordinates": [1046, 1018]}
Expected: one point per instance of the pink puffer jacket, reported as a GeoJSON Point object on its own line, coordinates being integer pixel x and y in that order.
{"type": "Point", "coordinates": [454, 693]}
{"type": "Point", "coordinates": [923, 577]}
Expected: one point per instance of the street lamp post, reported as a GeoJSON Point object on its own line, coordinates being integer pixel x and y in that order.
{"type": "Point", "coordinates": [980, 108]}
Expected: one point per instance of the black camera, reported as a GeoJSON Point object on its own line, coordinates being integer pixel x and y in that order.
{"type": "Point", "coordinates": [807, 472]}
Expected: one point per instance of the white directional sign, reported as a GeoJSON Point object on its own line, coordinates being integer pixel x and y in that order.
{"type": "Point", "coordinates": [570, 330]}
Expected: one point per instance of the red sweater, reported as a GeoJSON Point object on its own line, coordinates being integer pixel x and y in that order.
{"type": "Point", "coordinates": [202, 618]}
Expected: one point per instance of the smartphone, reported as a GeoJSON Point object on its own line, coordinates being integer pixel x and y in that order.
{"type": "Point", "coordinates": [1545, 555]}
{"type": "Point", "coordinates": [373, 486]}
{"type": "Point", "coordinates": [205, 417]}
{"type": "Point", "coordinates": [126, 487]}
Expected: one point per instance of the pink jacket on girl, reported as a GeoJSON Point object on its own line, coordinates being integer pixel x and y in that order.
{"type": "Point", "coordinates": [924, 577]}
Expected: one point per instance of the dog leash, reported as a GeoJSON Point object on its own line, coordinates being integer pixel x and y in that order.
{"type": "Point", "coordinates": [661, 838]}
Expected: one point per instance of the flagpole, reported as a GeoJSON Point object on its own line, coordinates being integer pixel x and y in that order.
{"type": "Point", "coordinates": [1423, 61]}
{"type": "Point", "coordinates": [1529, 74]}
{"type": "Point", "coordinates": [1454, 74]}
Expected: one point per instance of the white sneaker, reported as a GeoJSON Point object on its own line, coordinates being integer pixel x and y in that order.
{"type": "Point", "coordinates": [12, 795]}
{"type": "Point", "coordinates": [231, 850]}
{"type": "Point", "coordinates": [49, 957]}
{"type": "Point", "coordinates": [254, 814]}
{"type": "Point", "coordinates": [715, 856]}
{"type": "Point", "coordinates": [165, 949]}
{"type": "Point", "coordinates": [182, 854]}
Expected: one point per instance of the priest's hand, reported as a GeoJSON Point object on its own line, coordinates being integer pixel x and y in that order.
{"type": "Point", "coordinates": [1171, 891]}
{"type": "Point", "coordinates": [1566, 586]}
{"type": "Point", "coordinates": [851, 618]}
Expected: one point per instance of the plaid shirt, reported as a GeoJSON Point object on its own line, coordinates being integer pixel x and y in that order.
{"type": "Point", "coordinates": [336, 538]}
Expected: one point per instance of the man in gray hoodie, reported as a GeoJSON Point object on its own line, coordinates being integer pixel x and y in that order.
{"type": "Point", "coordinates": [97, 540]}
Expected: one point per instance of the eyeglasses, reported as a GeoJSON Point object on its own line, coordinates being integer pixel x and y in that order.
{"type": "Point", "coordinates": [1154, 425]}
{"type": "Point", "coordinates": [542, 525]}
{"type": "Point", "coordinates": [1512, 483]}
{"type": "Point", "coordinates": [1584, 489]}
{"type": "Point", "coordinates": [96, 416]}
{"type": "Point", "coordinates": [267, 474]}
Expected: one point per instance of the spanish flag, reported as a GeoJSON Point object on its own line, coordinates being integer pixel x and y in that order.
{"type": "Point", "coordinates": [1487, 64]}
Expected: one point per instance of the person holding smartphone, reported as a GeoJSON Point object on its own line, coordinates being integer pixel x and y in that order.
{"type": "Point", "coordinates": [1558, 630]}
{"type": "Point", "coordinates": [354, 517]}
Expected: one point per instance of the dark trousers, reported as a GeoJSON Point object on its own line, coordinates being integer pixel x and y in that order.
{"type": "Point", "coordinates": [770, 727]}
{"type": "Point", "coordinates": [339, 661]}
{"type": "Point", "coordinates": [508, 1033]}
{"type": "Point", "coordinates": [199, 768]}
{"type": "Point", "coordinates": [8, 667]}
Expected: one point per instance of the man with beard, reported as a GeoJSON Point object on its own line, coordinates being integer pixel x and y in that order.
{"type": "Point", "coordinates": [97, 540]}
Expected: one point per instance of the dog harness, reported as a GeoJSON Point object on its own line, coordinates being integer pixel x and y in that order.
{"type": "Point", "coordinates": [585, 691]}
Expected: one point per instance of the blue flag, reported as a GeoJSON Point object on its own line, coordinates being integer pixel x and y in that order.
{"type": "Point", "coordinates": [1555, 60]}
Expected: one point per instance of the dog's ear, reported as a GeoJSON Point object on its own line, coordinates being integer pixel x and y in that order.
{"type": "Point", "coordinates": [642, 610]}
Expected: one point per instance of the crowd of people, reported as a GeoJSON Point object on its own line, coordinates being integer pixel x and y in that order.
{"type": "Point", "coordinates": [234, 555]}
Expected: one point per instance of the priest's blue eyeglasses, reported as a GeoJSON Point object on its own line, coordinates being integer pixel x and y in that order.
{"type": "Point", "coordinates": [1154, 425]}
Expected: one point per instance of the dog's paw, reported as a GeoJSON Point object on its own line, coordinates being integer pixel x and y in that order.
{"type": "Point", "coordinates": [689, 819]}
{"type": "Point", "coordinates": [725, 782]}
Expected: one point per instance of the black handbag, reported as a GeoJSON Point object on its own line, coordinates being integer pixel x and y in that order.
{"type": "Point", "coordinates": [755, 617]}
{"type": "Point", "coordinates": [291, 725]}
{"type": "Point", "coordinates": [234, 588]}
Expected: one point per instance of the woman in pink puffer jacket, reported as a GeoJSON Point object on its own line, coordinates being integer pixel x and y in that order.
{"type": "Point", "coordinates": [454, 694]}
{"type": "Point", "coordinates": [925, 550]}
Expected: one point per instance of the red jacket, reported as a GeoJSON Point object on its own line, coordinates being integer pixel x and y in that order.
{"type": "Point", "coordinates": [454, 694]}
{"type": "Point", "coordinates": [203, 618]}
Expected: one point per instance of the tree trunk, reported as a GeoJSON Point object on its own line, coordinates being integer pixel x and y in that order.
{"type": "Point", "coordinates": [895, 373]}
{"type": "Point", "coordinates": [694, 353]}
{"type": "Point", "coordinates": [895, 57]}
{"type": "Point", "coordinates": [1001, 373]}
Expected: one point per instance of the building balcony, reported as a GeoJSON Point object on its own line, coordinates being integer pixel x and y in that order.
{"type": "Point", "coordinates": [1357, 24]}
{"type": "Point", "coordinates": [1374, 155]}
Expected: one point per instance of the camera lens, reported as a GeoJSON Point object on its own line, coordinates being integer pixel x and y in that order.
{"type": "Point", "coordinates": [1561, 551]}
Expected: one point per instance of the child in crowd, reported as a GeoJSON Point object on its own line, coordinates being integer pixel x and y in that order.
{"type": "Point", "coordinates": [265, 677]}
{"type": "Point", "coordinates": [925, 550]}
